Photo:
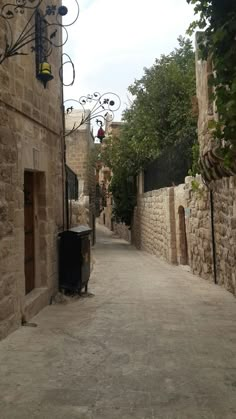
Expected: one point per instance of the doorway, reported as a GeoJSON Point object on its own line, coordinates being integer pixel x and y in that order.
{"type": "Point", "coordinates": [183, 244]}
{"type": "Point", "coordinates": [29, 231]}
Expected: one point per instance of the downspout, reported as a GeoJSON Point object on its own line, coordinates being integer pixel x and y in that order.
{"type": "Point", "coordinates": [65, 202]}
{"type": "Point", "coordinates": [63, 150]}
{"type": "Point", "coordinates": [213, 235]}
{"type": "Point", "coordinates": [66, 176]}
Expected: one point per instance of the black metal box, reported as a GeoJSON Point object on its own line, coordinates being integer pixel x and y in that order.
{"type": "Point", "coordinates": [74, 259]}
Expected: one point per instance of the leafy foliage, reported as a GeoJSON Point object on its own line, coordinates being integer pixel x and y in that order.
{"type": "Point", "coordinates": [159, 117]}
{"type": "Point", "coordinates": [124, 196]}
{"type": "Point", "coordinates": [161, 114]}
{"type": "Point", "coordinates": [218, 19]}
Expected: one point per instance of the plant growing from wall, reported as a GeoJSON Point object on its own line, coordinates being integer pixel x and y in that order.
{"type": "Point", "coordinates": [195, 160]}
{"type": "Point", "coordinates": [218, 20]}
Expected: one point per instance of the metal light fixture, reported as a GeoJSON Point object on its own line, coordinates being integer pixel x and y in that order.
{"type": "Point", "coordinates": [101, 108]}
{"type": "Point", "coordinates": [101, 132]}
{"type": "Point", "coordinates": [40, 28]}
{"type": "Point", "coordinates": [45, 73]}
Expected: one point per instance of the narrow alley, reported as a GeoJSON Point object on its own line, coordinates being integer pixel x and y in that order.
{"type": "Point", "coordinates": [151, 341]}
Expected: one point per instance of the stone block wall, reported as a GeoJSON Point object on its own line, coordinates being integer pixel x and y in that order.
{"type": "Point", "coordinates": [158, 227]}
{"type": "Point", "coordinates": [206, 109]}
{"type": "Point", "coordinates": [31, 127]}
{"type": "Point", "coordinates": [21, 151]}
{"type": "Point", "coordinates": [199, 231]}
{"type": "Point", "coordinates": [224, 195]}
{"type": "Point", "coordinates": [77, 151]}
{"type": "Point", "coordinates": [105, 217]}
{"type": "Point", "coordinates": [153, 224]}
{"type": "Point", "coordinates": [122, 231]}
{"type": "Point", "coordinates": [79, 145]}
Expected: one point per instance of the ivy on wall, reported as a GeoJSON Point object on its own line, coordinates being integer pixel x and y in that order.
{"type": "Point", "coordinates": [218, 20]}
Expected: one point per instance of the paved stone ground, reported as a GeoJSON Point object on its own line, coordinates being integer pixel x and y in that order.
{"type": "Point", "coordinates": [153, 342]}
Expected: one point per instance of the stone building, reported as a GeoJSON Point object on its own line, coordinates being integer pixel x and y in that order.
{"type": "Point", "coordinates": [104, 177]}
{"type": "Point", "coordinates": [31, 184]}
{"type": "Point", "coordinates": [79, 156]}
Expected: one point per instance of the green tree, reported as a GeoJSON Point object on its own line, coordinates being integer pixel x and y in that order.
{"type": "Point", "coordinates": [159, 117]}
{"type": "Point", "coordinates": [161, 114]}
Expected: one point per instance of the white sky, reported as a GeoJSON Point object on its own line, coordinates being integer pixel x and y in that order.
{"type": "Point", "coordinates": [113, 40]}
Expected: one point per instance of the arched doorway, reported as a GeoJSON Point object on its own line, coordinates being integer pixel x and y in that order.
{"type": "Point", "coordinates": [183, 244]}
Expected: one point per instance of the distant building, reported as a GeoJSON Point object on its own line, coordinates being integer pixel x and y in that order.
{"type": "Point", "coordinates": [104, 177]}
{"type": "Point", "coordinates": [79, 157]}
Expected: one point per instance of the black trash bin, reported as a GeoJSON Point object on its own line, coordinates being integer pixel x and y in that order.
{"type": "Point", "coordinates": [74, 259]}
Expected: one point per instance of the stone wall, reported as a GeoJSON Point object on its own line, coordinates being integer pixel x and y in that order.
{"type": "Point", "coordinates": [123, 231]}
{"type": "Point", "coordinates": [105, 217]}
{"type": "Point", "coordinates": [175, 224]}
{"type": "Point", "coordinates": [224, 193]}
{"type": "Point", "coordinates": [77, 152]}
{"type": "Point", "coordinates": [153, 225]}
{"type": "Point", "coordinates": [30, 140]}
{"type": "Point", "coordinates": [79, 146]}
{"type": "Point", "coordinates": [205, 106]}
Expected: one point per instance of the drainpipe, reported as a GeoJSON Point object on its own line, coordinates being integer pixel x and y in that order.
{"type": "Point", "coordinates": [67, 202]}
{"type": "Point", "coordinates": [213, 235]}
{"type": "Point", "coordinates": [64, 171]}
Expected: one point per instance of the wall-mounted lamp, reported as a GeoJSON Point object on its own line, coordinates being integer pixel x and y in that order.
{"type": "Point", "coordinates": [41, 27]}
{"type": "Point", "coordinates": [45, 73]}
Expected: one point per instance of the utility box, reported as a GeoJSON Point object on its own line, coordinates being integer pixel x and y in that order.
{"type": "Point", "coordinates": [74, 259]}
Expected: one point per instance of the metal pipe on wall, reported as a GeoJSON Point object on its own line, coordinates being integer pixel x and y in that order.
{"type": "Point", "coordinates": [213, 235]}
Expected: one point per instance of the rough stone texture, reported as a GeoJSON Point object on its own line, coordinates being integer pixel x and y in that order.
{"type": "Point", "coordinates": [105, 217]}
{"type": "Point", "coordinates": [205, 106]}
{"type": "Point", "coordinates": [152, 228]}
{"type": "Point", "coordinates": [154, 342]}
{"type": "Point", "coordinates": [122, 231]}
{"type": "Point", "coordinates": [79, 145]}
{"type": "Point", "coordinates": [224, 192]}
{"type": "Point", "coordinates": [211, 162]}
{"type": "Point", "coordinates": [30, 139]}
{"type": "Point", "coordinates": [157, 227]}
{"type": "Point", "coordinates": [79, 213]}
{"type": "Point", "coordinates": [199, 235]}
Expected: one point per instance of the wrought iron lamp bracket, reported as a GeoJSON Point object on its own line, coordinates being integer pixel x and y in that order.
{"type": "Point", "coordinates": [100, 108]}
{"type": "Point", "coordinates": [28, 11]}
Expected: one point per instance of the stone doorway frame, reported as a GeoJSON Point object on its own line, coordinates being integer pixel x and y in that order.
{"type": "Point", "coordinates": [38, 297]}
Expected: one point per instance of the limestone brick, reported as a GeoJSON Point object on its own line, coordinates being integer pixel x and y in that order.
{"type": "Point", "coordinates": [78, 148]}
{"type": "Point", "coordinates": [156, 227]}
{"type": "Point", "coordinates": [31, 129]}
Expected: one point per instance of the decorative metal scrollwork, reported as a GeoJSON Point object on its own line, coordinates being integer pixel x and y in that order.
{"type": "Point", "coordinates": [93, 107]}
{"type": "Point", "coordinates": [45, 37]}
{"type": "Point", "coordinates": [66, 60]}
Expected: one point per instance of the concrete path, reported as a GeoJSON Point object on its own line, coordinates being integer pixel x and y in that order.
{"type": "Point", "coordinates": [153, 342]}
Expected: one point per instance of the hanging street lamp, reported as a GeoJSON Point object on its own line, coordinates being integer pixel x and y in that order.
{"type": "Point", "coordinates": [101, 133]}
{"type": "Point", "coordinates": [101, 108]}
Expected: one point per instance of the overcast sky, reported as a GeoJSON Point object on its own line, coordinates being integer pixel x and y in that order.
{"type": "Point", "coordinates": [113, 40]}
